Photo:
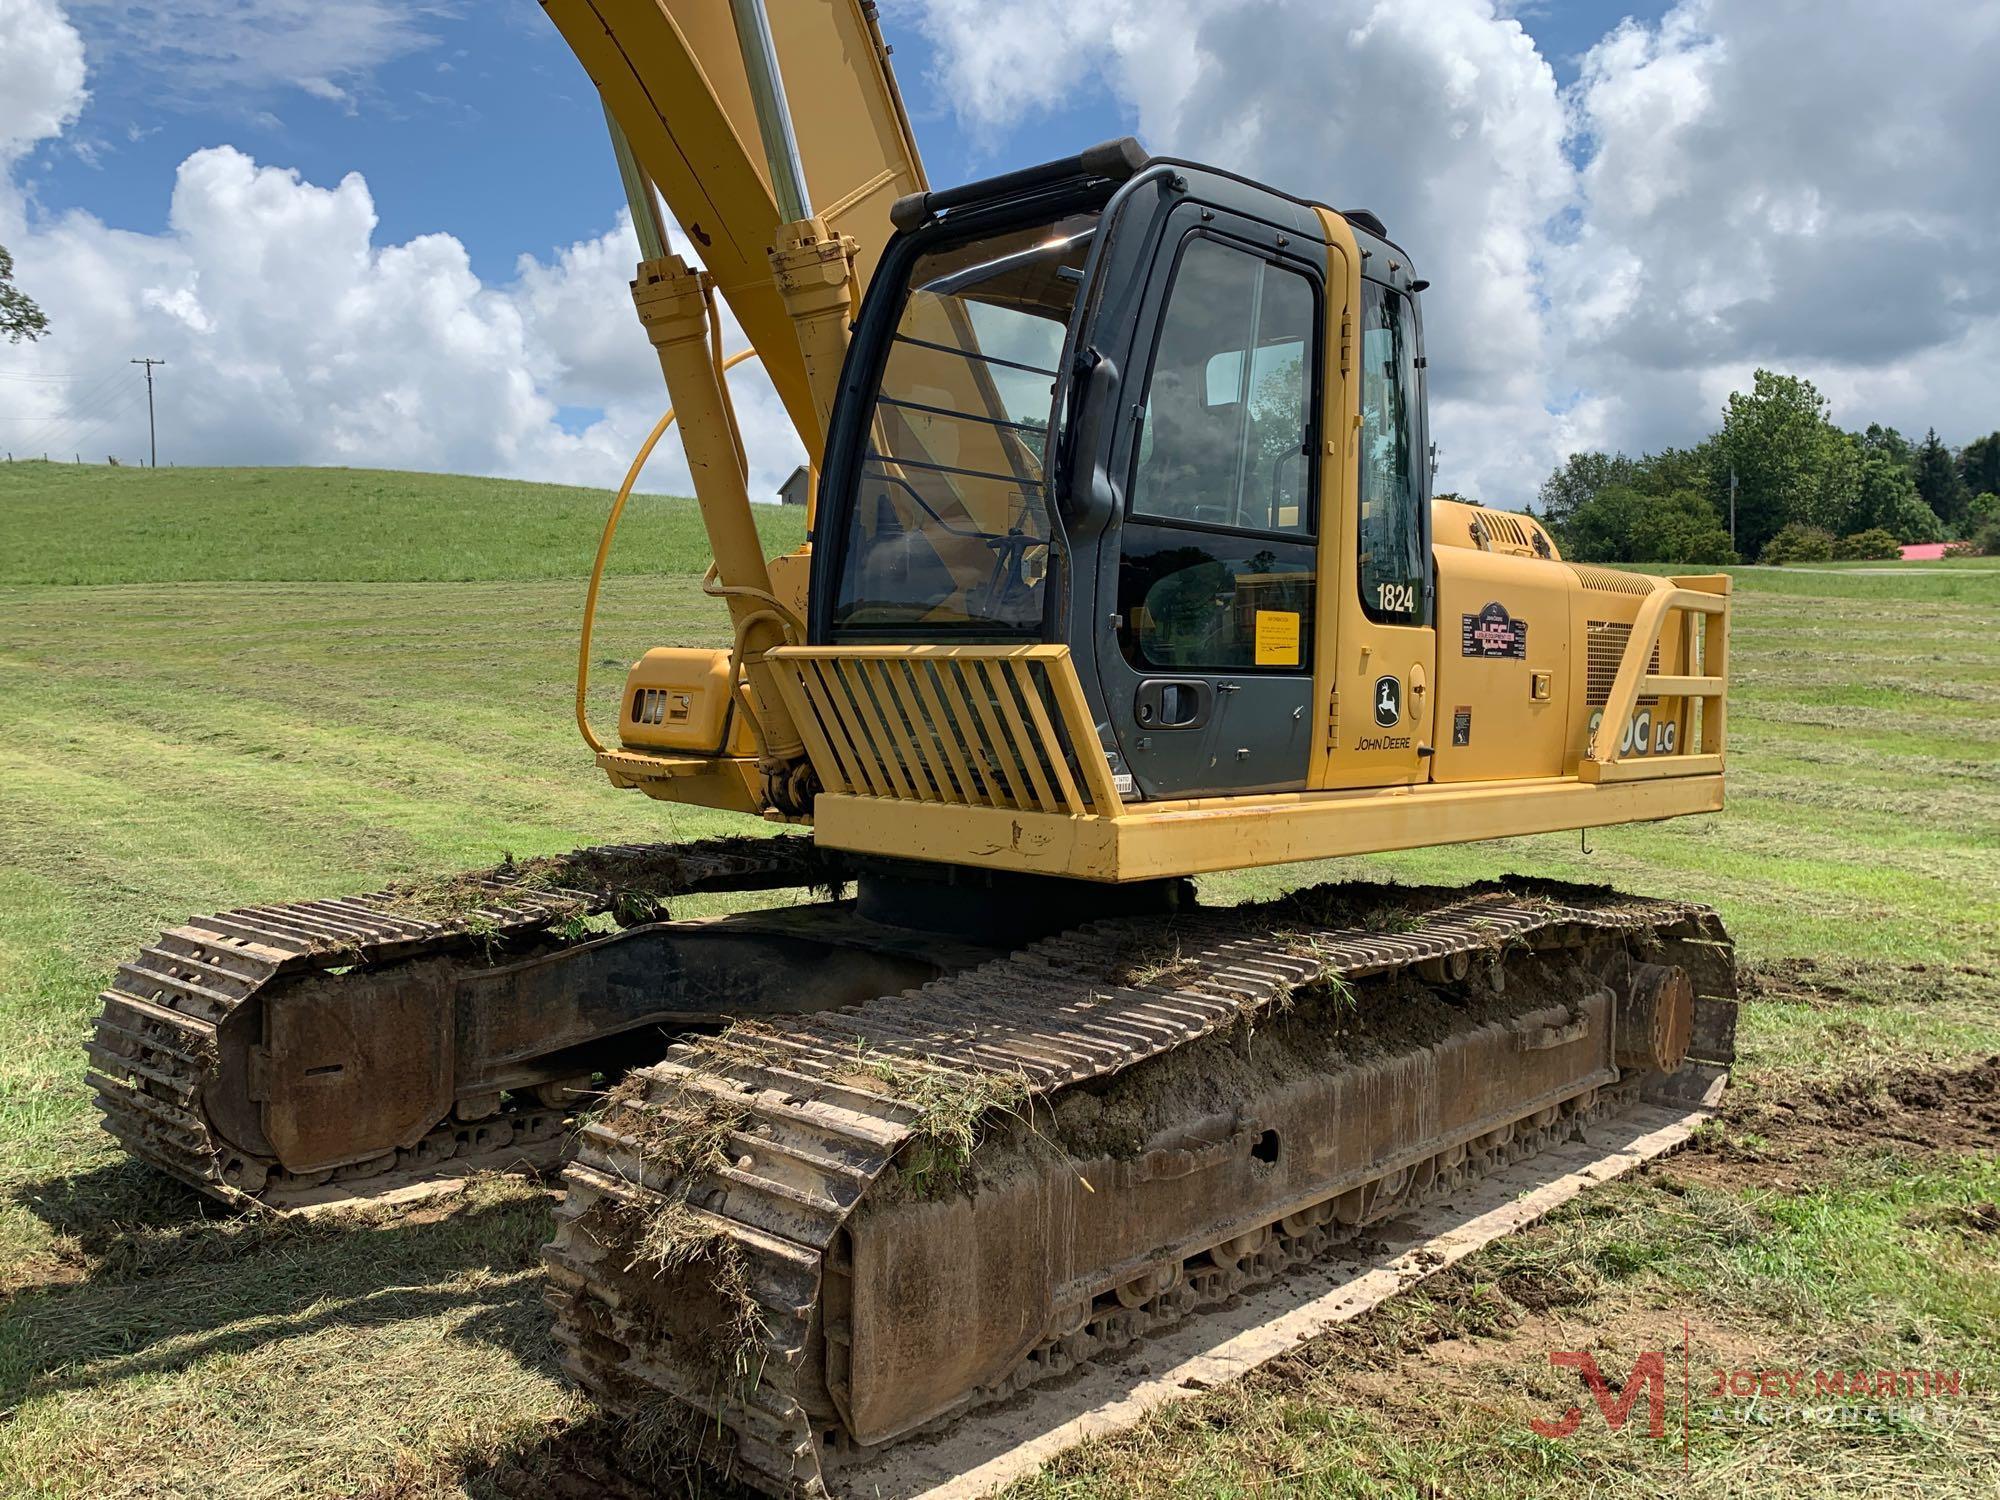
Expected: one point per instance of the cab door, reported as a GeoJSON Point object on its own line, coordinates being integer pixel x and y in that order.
{"type": "Point", "coordinates": [1209, 676]}
{"type": "Point", "coordinates": [1381, 714]}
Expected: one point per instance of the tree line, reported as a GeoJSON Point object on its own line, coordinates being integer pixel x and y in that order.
{"type": "Point", "coordinates": [1804, 489]}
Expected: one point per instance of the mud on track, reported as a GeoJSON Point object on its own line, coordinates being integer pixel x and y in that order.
{"type": "Point", "coordinates": [1473, 1332]}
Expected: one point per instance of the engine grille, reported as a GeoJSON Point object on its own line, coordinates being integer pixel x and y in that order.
{"type": "Point", "coordinates": [1604, 648]}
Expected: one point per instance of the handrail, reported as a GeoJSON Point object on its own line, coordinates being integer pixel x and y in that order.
{"type": "Point", "coordinates": [1635, 676]}
{"type": "Point", "coordinates": [604, 554]}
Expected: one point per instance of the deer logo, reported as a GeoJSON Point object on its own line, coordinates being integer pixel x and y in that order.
{"type": "Point", "coordinates": [1388, 701]}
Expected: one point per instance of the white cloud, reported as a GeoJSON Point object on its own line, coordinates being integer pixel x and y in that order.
{"type": "Point", "coordinates": [291, 336]}
{"type": "Point", "coordinates": [1804, 186]}
{"type": "Point", "coordinates": [1807, 190]}
{"type": "Point", "coordinates": [1740, 183]}
{"type": "Point", "coordinates": [1442, 118]}
{"type": "Point", "coordinates": [41, 74]}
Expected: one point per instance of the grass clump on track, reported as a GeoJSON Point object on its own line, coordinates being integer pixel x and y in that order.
{"type": "Point", "coordinates": [952, 1107]}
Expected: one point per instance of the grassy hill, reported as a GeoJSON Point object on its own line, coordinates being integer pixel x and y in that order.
{"type": "Point", "coordinates": [85, 523]}
{"type": "Point", "coordinates": [359, 677]}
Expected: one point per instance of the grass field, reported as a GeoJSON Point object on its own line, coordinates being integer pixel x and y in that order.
{"type": "Point", "coordinates": [218, 687]}
{"type": "Point", "coordinates": [69, 523]}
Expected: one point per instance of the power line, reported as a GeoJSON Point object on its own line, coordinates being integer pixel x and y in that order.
{"type": "Point", "coordinates": [131, 401]}
{"type": "Point", "coordinates": [81, 409]}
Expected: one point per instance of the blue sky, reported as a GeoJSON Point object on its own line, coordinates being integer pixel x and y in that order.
{"type": "Point", "coordinates": [386, 231]}
{"type": "Point", "coordinates": [488, 129]}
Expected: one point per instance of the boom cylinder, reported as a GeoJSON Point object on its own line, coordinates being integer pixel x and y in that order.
{"type": "Point", "coordinates": [774, 113]}
{"type": "Point", "coordinates": [814, 272]}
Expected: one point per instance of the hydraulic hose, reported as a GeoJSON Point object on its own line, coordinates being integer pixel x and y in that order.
{"type": "Point", "coordinates": [604, 553]}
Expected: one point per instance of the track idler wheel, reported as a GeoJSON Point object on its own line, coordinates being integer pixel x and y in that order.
{"type": "Point", "coordinates": [1655, 1017]}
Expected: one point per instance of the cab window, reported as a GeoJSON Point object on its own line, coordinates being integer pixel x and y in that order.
{"type": "Point", "coordinates": [1391, 534]}
{"type": "Point", "coordinates": [1216, 565]}
{"type": "Point", "coordinates": [947, 529]}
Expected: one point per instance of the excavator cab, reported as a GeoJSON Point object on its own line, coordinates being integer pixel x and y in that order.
{"type": "Point", "coordinates": [1104, 403]}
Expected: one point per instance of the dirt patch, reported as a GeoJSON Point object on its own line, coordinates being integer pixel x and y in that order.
{"type": "Point", "coordinates": [1973, 1220]}
{"type": "Point", "coordinates": [1954, 1110]}
{"type": "Point", "coordinates": [590, 1460]}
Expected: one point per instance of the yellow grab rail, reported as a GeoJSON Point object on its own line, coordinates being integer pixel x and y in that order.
{"type": "Point", "coordinates": [604, 553]}
{"type": "Point", "coordinates": [1700, 600]}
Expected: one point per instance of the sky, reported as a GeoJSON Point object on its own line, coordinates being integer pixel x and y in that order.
{"type": "Point", "coordinates": [390, 232]}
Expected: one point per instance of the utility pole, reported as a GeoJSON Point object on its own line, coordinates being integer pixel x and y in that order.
{"type": "Point", "coordinates": [1732, 507]}
{"type": "Point", "coordinates": [152, 432]}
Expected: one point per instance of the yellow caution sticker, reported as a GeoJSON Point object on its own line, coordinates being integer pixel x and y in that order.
{"type": "Point", "coordinates": [1277, 638]}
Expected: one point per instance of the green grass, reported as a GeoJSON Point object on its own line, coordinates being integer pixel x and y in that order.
{"type": "Point", "coordinates": [1866, 1270]}
{"type": "Point", "coordinates": [226, 686]}
{"type": "Point", "coordinates": [84, 523]}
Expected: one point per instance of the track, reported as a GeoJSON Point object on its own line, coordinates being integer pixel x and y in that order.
{"type": "Point", "coordinates": [157, 1055]}
{"type": "Point", "coordinates": [767, 1244]}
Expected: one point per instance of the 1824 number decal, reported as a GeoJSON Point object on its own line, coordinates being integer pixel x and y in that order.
{"type": "Point", "coordinates": [1396, 598]}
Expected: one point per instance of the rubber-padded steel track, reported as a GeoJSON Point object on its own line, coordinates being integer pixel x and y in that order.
{"type": "Point", "coordinates": [154, 1052]}
{"type": "Point", "coordinates": [804, 1137]}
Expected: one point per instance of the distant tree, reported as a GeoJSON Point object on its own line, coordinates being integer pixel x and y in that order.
{"type": "Point", "coordinates": [1889, 442]}
{"type": "Point", "coordinates": [1983, 511]}
{"type": "Point", "coordinates": [1673, 469]}
{"type": "Point", "coordinates": [1798, 542]}
{"type": "Point", "coordinates": [1602, 528]}
{"type": "Point", "coordinates": [1792, 465]}
{"type": "Point", "coordinates": [1938, 482]}
{"type": "Point", "coordinates": [1873, 545]}
{"type": "Point", "coordinates": [1979, 465]}
{"type": "Point", "coordinates": [1623, 525]}
{"type": "Point", "coordinates": [1580, 479]}
{"type": "Point", "coordinates": [1887, 499]}
{"type": "Point", "coordinates": [19, 317]}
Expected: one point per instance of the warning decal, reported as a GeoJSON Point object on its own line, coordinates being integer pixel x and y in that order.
{"type": "Point", "coordinates": [1277, 638]}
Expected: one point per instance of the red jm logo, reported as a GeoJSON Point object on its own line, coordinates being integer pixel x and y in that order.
{"type": "Point", "coordinates": [1649, 1374]}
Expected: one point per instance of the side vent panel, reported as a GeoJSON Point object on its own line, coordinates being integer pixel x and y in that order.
{"type": "Point", "coordinates": [1604, 649]}
{"type": "Point", "coordinates": [1611, 580]}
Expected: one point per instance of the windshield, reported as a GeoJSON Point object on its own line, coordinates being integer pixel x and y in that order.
{"type": "Point", "coordinates": [949, 523]}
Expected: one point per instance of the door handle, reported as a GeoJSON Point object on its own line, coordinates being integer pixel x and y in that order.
{"type": "Point", "coordinates": [1173, 703]}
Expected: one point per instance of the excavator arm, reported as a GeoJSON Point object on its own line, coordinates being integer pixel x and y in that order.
{"type": "Point", "coordinates": [674, 79]}
{"type": "Point", "coordinates": [699, 97]}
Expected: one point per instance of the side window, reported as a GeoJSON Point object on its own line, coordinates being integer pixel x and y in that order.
{"type": "Point", "coordinates": [1213, 599]}
{"type": "Point", "coordinates": [1391, 534]}
{"type": "Point", "coordinates": [1226, 420]}
{"type": "Point", "coordinates": [1216, 566]}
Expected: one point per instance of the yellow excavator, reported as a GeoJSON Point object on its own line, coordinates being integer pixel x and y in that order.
{"type": "Point", "coordinates": [1123, 569]}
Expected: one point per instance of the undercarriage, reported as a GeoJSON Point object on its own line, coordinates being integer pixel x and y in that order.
{"type": "Point", "coordinates": [807, 1240]}
{"type": "Point", "coordinates": [861, 1176]}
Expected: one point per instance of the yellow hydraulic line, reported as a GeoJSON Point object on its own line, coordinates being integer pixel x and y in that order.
{"type": "Point", "coordinates": [604, 553]}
